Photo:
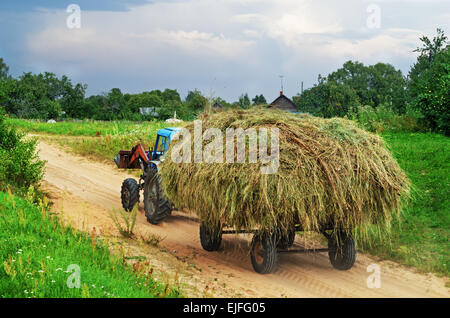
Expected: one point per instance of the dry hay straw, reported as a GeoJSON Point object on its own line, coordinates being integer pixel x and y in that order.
{"type": "Point", "coordinates": [332, 175]}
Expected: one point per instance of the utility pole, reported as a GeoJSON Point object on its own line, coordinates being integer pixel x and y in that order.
{"type": "Point", "coordinates": [302, 88]}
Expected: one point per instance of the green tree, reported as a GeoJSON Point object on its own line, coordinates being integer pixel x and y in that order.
{"type": "Point", "coordinates": [195, 101]}
{"type": "Point", "coordinates": [328, 99]}
{"type": "Point", "coordinates": [95, 107]}
{"type": "Point", "coordinates": [432, 95]}
{"type": "Point", "coordinates": [429, 49]}
{"type": "Point", "coordinates": [244, 101]}
{"type": "Point", "coordinates": [171, 95]}
{"type": "Point", "coordinates": [4, 69]}
{"type": "Point", "coordinates": [342, 99]}
{"type": "Point", "coordinates": [375, 85]}
{"type": "Point", "coordinates": [221, 101]}
{"type": "Point", "coordinates": [41, 96]}
{"type": "Point", "coordinates": [259, 100]}
{"type": "Point", "coordinates": [72, 101]}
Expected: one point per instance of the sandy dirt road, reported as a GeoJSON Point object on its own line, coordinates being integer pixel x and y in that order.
{"type": "Point", "coordinates": [95, 187]}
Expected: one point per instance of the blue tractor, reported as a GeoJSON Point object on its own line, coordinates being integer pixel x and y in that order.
{"type": "Point", "coordinates": [156, 206]}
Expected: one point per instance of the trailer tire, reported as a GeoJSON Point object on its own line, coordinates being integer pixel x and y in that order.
{"type": "Point", "coordinates": [263, 253]}
{"type": "Point", "coordinates": [156, 207]}
{"type": "Point", "coordinates": [343, 254]}
{"type": "Point", "coordinates": [129, 194]}
{"type": "Point", "coordinates": [210, 237]}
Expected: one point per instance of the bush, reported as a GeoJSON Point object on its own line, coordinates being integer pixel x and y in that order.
{"type": "Point", "coordinates": [385, 119]}
{"type": "Point", "coordinates": [20, 167]}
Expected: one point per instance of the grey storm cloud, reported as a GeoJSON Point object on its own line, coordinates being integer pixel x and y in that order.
{"type": "Point", "coordinates": [222, 47]}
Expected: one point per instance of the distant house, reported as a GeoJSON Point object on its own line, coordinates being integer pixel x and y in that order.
{"type": "Point", "coordinates": [217, 105]}
{"type": "Point", "coordinates": [284, 103]}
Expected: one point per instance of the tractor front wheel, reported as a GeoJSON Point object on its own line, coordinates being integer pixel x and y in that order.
{"type": "Point", "coordinates": [263, 253]}
{"type": "Point", "coordinates": [157, 208]}
{"type": "Point", "coordinates": [129, 194]}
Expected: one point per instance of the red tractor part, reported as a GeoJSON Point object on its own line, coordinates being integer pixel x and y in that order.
{"type": "Point", "coordinates": [127, 159]}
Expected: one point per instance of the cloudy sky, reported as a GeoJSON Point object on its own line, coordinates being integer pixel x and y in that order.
{"type": "Point", "coordinates": [222, 47]}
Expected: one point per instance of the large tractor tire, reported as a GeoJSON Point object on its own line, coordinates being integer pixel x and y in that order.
{"type": "Point", "coordinates": [210, 237]}
{"type": "Point", "coordinates": [263, 253]}
{"type": "Point", "coordinates": [157, 208]}
{"type": "Point", "coordinates": [342, 251]}
{"type": "Point", "coordinates": [129, 194]}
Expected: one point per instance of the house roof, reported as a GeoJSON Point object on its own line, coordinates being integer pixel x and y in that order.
{"type": "Point", "coordinates": [284, 103]}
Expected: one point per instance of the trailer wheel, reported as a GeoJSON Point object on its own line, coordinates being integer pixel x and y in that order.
{"type": "Point", "coordinates": [342, 254]}
{"type": "Point", "coordinates": [210, 237]}
{"type": "Point", "coordinates": [157, 208]}
{"type": "Point", "coordinates": [286, 240]}
{"type": "Point", "coordinates": [263, 253]}
{"type": "Point", "coordinates": [129, 194]}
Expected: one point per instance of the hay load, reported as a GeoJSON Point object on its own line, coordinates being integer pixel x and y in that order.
{"type": "Point", "coordinates": [331, 175]}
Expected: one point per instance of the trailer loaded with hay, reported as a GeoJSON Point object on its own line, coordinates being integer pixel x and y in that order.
{"type": "Point", "coordinates": [331, 178]}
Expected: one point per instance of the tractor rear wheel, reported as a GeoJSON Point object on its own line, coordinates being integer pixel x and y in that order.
{"type": "Point", "coordinates": [263, 253]}
{"type": "Point", "coordinates": [342, 251]}
{"type": "Point", "coordinates": [129, 194]}
{"type": "Point", "coordinates": [157, 208]}
{"type": "Point", "coordinates": [210, 237]}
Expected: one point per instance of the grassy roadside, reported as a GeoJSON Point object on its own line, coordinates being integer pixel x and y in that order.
{"type": "Point", "coordinates": [98, 140]}
{"type": "Point", "coordinates": [41, 256]}
{"type": "Point", "coordinates": [422, 239]}
{"type": "Point", "coordinates": [84, 128]}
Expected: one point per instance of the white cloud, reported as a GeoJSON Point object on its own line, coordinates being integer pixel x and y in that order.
{"type": "Point", "coordinates": [244, 43]}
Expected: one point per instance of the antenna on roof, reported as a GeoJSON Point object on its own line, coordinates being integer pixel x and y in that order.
{"type": "Point", "coordinates": [281, 79]}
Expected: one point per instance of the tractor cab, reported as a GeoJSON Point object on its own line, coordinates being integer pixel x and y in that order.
{"type": "Point", "coordinates": [138, 158]}
{"type": "Point", "coordinates": [163, 138]}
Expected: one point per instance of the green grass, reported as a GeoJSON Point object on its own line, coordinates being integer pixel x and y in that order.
{"type": "Point", "coordinates": [422, 238]}
{"type": "Point", "coordinates": [106, 147]}
{"type": "Point", "coordinates": [36, 251]}
{"type": "Point", "coordinates": [114, 136]}
{"type": "Point", "coordinates": [84, 128]}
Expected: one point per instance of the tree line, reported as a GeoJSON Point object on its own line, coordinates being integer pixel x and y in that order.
{"type": "Point", "coordinates": [426, 89]}
{"type": "Point", "coordinates": [45, 96]}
